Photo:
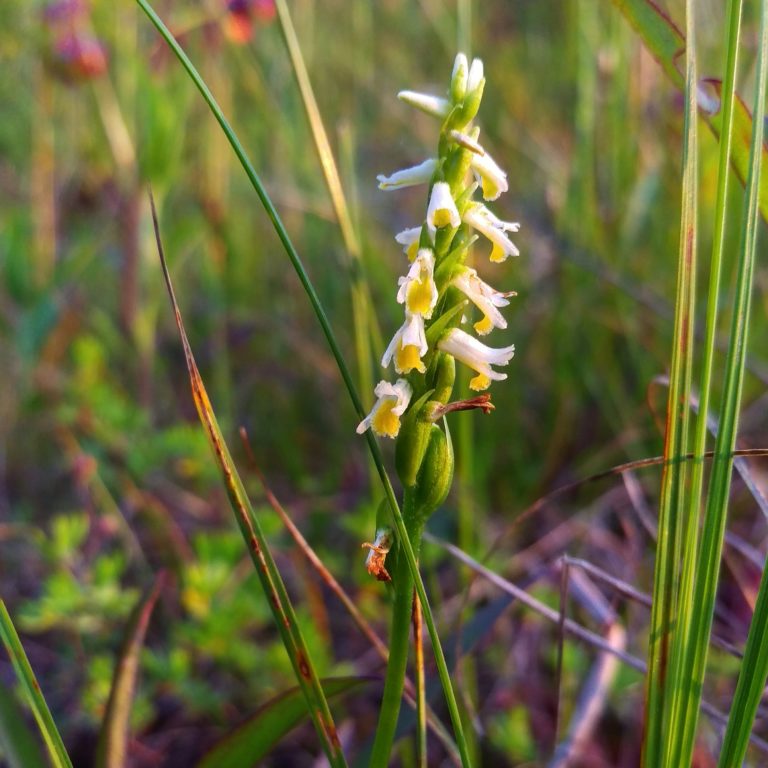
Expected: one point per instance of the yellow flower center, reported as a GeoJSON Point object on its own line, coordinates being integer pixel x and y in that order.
{"type": "Point", "coordinates": [407, 358]}
{"type": "Point", "coordinates": [480, 382]}
{"type": "Point", "coordinates": [419, 297]}
{"type": "Point", "coordinates": [442, 217]}
{"type": "Point", "coordinates": [484, 326]}
{"type": "Point", "coordinates": [384, 422]}
{"type": "Point", "coordinates": [413, 250]}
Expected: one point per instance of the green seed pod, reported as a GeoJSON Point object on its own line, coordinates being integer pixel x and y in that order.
{"type": "Point", "coordinates": [412, 441]}
{"type": "Point", "coordinates": [435, 474]}
{"type": "Point", "coordinates": [445, 375]}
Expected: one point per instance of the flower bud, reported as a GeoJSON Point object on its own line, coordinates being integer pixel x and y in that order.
{"type": "Point", "coordinates": [459, 78]}
{"type": "Point", "coordinates": [472, 103]}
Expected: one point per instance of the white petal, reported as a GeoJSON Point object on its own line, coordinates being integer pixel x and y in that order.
{"type": "Point", "coordinates": [442, 207]}
{"type": "Point", "coordinates": [459, 76]}
{"type": "Point", "coordinates": [485, 298]}
{"type": "Point", "coordinates": [475, 75]}
{"type": "Point", "coordinates": [408, 177]}
{"type": "Point", "coordinates": [479, 217]}
{"type": "Point", "coordinates": [404, 393]}
{"type": "Point", "coordinates": [492, 178]}
{"type": "Point", "coordinates": [432, 105]}
{"type": "Point", "coordinates": [468, 350]}
{"type": "Point", "coordinates": [390, 351]}
{"type": "Point", "coordinates": [413, 333]}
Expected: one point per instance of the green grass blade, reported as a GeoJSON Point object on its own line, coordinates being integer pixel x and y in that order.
{"type": "Point", "coordinates": [48, 730]}
{"type": "Point", "coordinates": [397, 518]}
{"type": "Point", "coordinates": [751, 684]}
{"type": "Point", "coordinates": [672, 531]}
{"type": "Point", "coordinates": [258, 548]}
{"type": "Point", "coordinates": [251, 741]}
{"type": "Point", "coordinates": [666, 44]}
{"type": "Point", "coordinates": [690, 610]}
{"type": "Point", "coordinates": [683, 610]}
{"type": "Point", "coordinates": [17, 742]}
{"type": "Point", "coordinates": [113, 738]}
{"type": "Point", "coordinates": [754, 664]}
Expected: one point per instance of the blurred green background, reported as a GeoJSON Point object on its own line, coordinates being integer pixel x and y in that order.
{"type": "Point", "coordinates": [105, 476]}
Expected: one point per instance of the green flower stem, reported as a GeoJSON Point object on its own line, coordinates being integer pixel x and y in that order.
{"type": "Point", "coordinates": [399, 640]}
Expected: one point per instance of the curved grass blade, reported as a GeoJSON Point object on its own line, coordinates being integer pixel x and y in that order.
{"type": "Point", "coordinates": [258, 548]}
{"type": "Point", "coordinates": [378, 459]}
{"type": "Point", "coordinates": [253, 739]}
{"type": "Point", "coordinates": [113, 738]}
{"type": "Point", "coordinates": [666, 43]}
{"type": "Point", "coordinates": [17, 743]}
{"type": "Point", "coordinates": [45, 722]}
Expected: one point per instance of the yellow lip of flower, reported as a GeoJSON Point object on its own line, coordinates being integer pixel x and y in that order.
{"type": "Point", "coordinates": [409, 239]}
{"type": "Point", "coordinates": [408, 346]}
{"type": "Point", "coordinates": [384, 418]}
{"type": "Point", "coordinates": [417, 289]}
{"type": "Point", "coordinates": [409, 177]}
{"type": "Point", "coordinates": [468, 350]}
{"type": "Point", "coordinates": [485, 298]}
{"type": "Point", "coordinates": [481, 219]}
{"type": "Point", "coordinates": [442, 211]}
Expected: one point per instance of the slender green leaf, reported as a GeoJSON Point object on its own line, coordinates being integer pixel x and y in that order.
{"type": "Point", "coordinates": [666, 43]}
{"type": "Point", "coordinates": [258, 548]}
{"type": "Point", "coordinates": [34, 694]}
{"type": "Point", "coordinates": [664, 648]}
{"type": "Point", "coordinates": [397, 518]}
{"type": "Point", "coordinates": [754, 669]}
{"type": "Point", "coordinates": [115, 729]}
{"type": "Point", "coordinates": [689, 645]}
{"type": "Point", "coordinates": [253, 739]}
{"type": "Point", "coordinates": [17, 743]}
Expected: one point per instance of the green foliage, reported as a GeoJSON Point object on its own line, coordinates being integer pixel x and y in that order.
{"type": "Point", "coordinates": [510, 733]}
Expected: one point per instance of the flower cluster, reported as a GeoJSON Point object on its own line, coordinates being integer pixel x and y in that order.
{"type": "Point", "coordinates": [439, 285]}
